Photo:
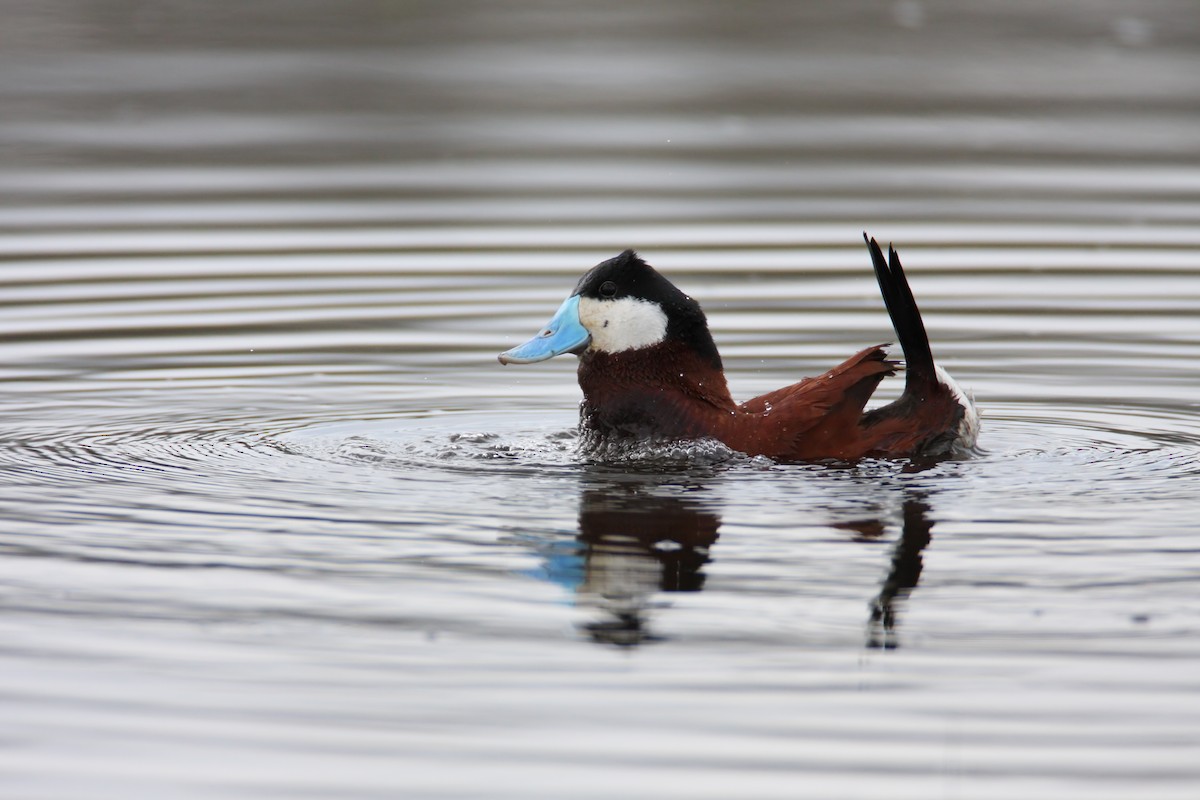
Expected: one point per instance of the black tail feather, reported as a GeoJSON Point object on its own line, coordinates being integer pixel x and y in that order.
{"type": "Point", "coordinates": [906, 317]}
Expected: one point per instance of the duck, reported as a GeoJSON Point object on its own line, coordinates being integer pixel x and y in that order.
{"type": "Point", "coordinates": [650, 372]}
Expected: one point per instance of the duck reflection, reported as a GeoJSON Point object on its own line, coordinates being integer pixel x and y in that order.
{"type": "Point", "coordinates": [638, 540]}
{"type": "Point", "coordinates": [637, 543]}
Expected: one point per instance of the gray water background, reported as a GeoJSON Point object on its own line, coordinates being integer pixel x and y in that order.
{"type": "Point", "coordinates": [274, 522]}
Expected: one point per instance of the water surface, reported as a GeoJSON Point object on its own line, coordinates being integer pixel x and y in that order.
{"type": "Point", "coordinates": [276, 523]}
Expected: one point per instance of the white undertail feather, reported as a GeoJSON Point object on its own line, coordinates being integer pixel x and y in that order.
{"type": "Point", "coordinates": [624, 324]}
{"type": "Point", "coordinates": [968, 428]}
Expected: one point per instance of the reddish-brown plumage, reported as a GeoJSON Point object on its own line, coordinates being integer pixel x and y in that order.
{"type": "Point", "coordinates": [630, 395]}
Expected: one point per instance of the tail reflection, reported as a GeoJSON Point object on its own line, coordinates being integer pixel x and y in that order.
{"type": "Point", "coordinates": [634, 545]}
{"type": "Point", "coordinates": [903, 574]}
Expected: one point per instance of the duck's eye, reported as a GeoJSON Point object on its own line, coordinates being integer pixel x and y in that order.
{"type": "Point", "coordinates": [608, 289]}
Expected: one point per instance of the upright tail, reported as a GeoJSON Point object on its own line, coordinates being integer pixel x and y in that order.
{"type": "Point", "coordinates": [933, 416]}
{"type": "Point", "coordinates": [920, 372]}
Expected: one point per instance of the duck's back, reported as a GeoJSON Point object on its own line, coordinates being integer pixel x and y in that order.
{"type": "Point", "coordinates": [817, 418]}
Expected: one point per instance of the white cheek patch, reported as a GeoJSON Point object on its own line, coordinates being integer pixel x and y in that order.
{"type": "Point", "coordinates": [625, 324]}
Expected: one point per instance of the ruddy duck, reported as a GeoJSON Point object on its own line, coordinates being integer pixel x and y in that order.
{"type": "Point", "coordinates": [650, 371]}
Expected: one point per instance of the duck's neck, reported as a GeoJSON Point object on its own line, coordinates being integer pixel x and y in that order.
{"type": "Point", "coordinates": [667, 391]}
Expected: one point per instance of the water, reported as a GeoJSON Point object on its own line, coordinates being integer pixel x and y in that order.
{"type": "Point", "coordinates": [276, 523]}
